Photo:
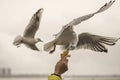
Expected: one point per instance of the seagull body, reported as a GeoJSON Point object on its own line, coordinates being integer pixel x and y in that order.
{"type": "Point", "coordinates": [28, 37]}
{"type": "Point", "coordinates": [69, 40]}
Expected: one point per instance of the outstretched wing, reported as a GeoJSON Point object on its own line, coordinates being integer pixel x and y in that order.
{"type": "Point", "coordinates": [95, 42]}
{"type": "Point", "coordinates": [85, 17]}
{"type": "Point", "coordinates": [33, 25]}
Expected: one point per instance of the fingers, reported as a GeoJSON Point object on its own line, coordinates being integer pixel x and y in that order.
{"type": "Point", "coordinates": [62, 64]}
{"type": "Point", "coordinates": [65, 60]}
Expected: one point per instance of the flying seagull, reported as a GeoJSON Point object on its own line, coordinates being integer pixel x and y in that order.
{"type": "Point", "coordinates": [28, 37]}
{"type": "Point", "coordinates": [69, 40]}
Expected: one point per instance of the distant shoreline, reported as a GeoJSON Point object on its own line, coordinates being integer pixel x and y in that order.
{"type": "Point", "coordinates": [46, 75]}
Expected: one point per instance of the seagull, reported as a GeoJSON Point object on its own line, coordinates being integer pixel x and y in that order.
{"type": "Point", "coordinates": [69, 40]}
{"type": "Point", "coordinates": [28, 37]}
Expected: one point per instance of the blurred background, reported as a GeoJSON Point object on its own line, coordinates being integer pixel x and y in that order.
{"type": "Point", "coordinates": [15, 16]}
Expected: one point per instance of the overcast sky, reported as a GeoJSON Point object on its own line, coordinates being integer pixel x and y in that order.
{"type": "Point", "coordinates": [15, 15]}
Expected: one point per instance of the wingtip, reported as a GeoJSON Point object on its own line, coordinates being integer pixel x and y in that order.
{"type": "Point", "coordinates": [118, 39]}
{"type": "Point", "coordinates": [105, 50]}
{"type": "Point", "coordinates": [104, 7]}
{"type": "Point", "coordinates": [114, 0]}
{"type": "Point", "coordinates": [41, 10]}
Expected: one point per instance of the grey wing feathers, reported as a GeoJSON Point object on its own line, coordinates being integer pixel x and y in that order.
{"type": "Point", "coordinates": [80, 19]}
{"type": "Point", "coordinates": [95, 42]}
{"type": "Point", "coordinates": [86, 17]}
{"type": "Point", "coordinates": [105, 7]}
{"type": "Point", "coordinates": [33, 47]}
{"type": "Point", "coordinates": [33, 25]}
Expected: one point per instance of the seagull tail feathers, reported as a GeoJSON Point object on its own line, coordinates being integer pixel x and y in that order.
{"type": "Point", "coordinates": [48, 46]}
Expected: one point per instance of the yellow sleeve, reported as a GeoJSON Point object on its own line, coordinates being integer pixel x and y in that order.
{"type": "Point", "coordinates": [54, 77]}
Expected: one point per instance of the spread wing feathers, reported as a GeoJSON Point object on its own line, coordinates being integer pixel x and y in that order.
{"type": "Point", "coordinates": [95, 42]}
{"type": "Point", "coordinates": [33, 47]}
{"type": "Point", "coordinates": [105, 7]}
{"type": "Point", "coordinates": [86, 17]}
{"type": "Point", "coordinates": [33, 25]}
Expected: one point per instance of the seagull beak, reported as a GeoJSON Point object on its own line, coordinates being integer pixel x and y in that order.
{"type": "Point", "coordinates": [41, 40]}
{"type": "Point", "coordinates": [16, 44]}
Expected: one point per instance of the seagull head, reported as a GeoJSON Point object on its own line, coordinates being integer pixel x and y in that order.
{"type": "Point", "coordinates": [72, 47]}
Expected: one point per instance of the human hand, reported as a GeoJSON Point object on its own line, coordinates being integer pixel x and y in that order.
{"type": "Point", "coordinates": [62, 65]}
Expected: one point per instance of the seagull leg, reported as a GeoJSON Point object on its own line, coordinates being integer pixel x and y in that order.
{"type": "Point", "coordinates": [53, 49]}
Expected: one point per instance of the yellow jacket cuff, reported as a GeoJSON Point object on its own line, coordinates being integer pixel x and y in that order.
{"type": "Point", "coordinates": [54, 77]}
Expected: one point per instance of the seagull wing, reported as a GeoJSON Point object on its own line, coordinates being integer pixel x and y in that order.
{"type": "Point", "coordinates": [33, 47]}
{"type": "Point", "coordinates": [86, 17]}
{"type": "Point", "coordinates": [33, 25]}
{"type": "Point", "coordinates": [94, 42]}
